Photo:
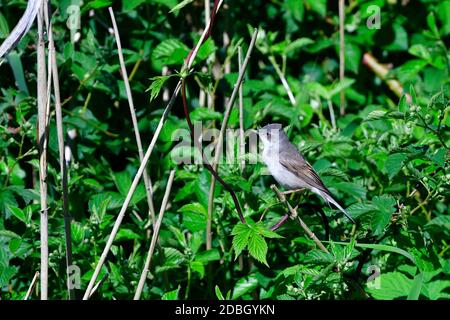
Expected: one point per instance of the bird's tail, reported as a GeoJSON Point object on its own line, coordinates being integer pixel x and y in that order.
{"type": "Point", "coordinates": [329, 198]}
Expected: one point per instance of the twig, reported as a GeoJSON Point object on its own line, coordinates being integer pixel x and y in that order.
{"type": "Point", "coordinates": [332, 116]}
{"type": "Point", "coordinates": [140, 171]}
{"type": "Point", "coordinates": [155, 235]}
{"type": "Point", "coordinates": [382, 71]}
{"type": "Point", "coordinates": [241, 115]}
{"type": "Point", "coordinates": [62, 161]}
{"type": "Point", "coordinates": [342, 52]}
{"type": "Point", "coordinates": [294, 215]}
{"type": "Point", "coordinates": [218, 148]}
{"type": "Point", "coordinates": [283, 80]}
{"type": "Point", "coordinates": [147, 181]}
{"type": "Point", "coordinates": [32, 285]}
{"type": "Point", "coordinates": [42, 141]}
{"type": "Point", "coordinates": [99, 283]}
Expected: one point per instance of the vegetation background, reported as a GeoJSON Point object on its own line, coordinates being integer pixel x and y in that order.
{"type": "Point", "coordinates": [385, 156]}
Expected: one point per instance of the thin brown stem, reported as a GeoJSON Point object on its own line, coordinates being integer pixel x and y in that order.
{"type": "Point", "coordinates": [293, 215]}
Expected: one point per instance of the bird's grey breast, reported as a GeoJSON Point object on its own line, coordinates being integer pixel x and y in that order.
{"type": "Point", "coordinates": [283, 176]}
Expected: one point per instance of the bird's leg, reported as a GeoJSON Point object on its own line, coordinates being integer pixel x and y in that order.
{"type": "Point", "coordinates": [293, 191]}
{"type": "Point", "coordinates": [280, 223]}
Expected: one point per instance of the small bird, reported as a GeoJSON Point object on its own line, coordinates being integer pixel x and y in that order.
{"type": "Point", "coordinates": [288, 167]}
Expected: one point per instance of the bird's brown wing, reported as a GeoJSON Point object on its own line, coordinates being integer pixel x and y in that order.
{"type": "Point", "coordinates": [296, 164]}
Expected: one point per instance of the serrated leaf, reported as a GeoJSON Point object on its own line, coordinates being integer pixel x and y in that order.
{"type": "Point", "coordinates": [156, 86]}
{"type": "Point", "coordinates": [241, 234]}
{"type": "Point", "coordinates": [394, 163]}
{"type": "Point", "coordinates": [257, 247]}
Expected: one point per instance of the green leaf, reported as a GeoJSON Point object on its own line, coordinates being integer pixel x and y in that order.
{"type": "Point", "coordinates": [181, 5]}
{"type": "Point", "coordinates": [194, 216]}
{"type": "Point", "coordinates": [393, 285]}
{"type": "Point", "coordinates": [170, 52]}
{"type": "Point", "coordinates": [4, 28]}
{"type": "Point", "coordinates": [431, 21]}
{"type": "Point", "coordinates": [257, 247]}
{"type": "Point", "coordinates": [241, 233]}
{"type": "Point", "coordinates": [382, 217]}
{"type": "Point", "coordinates": [297, 44]}
{"type": "Point", "coordinates": [171, 295]}
{"type": "Point", "coordinates": [219, 294]}
{"type": "Point", "coordinates": [18, 213]}
{"type": "Point", "coordinates": [244, 285]}
{"type": "Point", "coordinates": [126, 234]}
{"type": "Point", "coordinates": [156, 86]}
{"type": "Point", "coordinates": [128, 5]}
{"type": "Point", "coordinates": [416, 287]}
{"type": "Point", "coordinates": [208, 256]}
{"type": "Point", "coordinates": [394, 163]}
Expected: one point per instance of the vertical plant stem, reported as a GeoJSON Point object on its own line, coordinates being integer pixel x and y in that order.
{"type": "Point", "coordinates": [207, 10]}
{"type": "Point", "coordinates": [62, 162]}
{"type": "Point", "coordinates": [342, 52]}
{"type": "Point", "coordinates": [218, 148]}
{"type": "Point", "coordinates": [332, 116]}
{"type": "Point", "coordinates": [155, 235]}
{"type": "Point", "coordinates": [42, 141]}
{"type": "Point", "coordinates": [32, 285]}
{"type": "Point", "coordinates": [147, 182]}
{"type": "Point", "coordinates": [283, 80]}
{"type": "Point", "coordinates": [241, 115]}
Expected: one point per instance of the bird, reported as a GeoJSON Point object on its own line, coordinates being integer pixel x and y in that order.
{"type": "Point", "coordinates": [289, 167]}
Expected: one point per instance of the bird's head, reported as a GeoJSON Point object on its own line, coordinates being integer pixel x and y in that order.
{"type": "Point", "coordinates": [271, 134]}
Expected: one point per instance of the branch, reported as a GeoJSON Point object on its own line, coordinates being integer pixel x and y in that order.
{"type": "Point", "coordinates": [147, 181]}
{"type": "Point", "coordinates": [62, 160]}
{"type": "Point", "coordinates": [155, 235]}
{"type": "Point", "coordinates": [32, 285]}
{"type": "Point", "coordinates": [42, 141]}
{"type": "Point", "coordinates": [293, 215]}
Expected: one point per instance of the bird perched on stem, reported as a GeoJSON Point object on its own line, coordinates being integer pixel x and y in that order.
{"type": "Point", "coordinates": [289, 168]}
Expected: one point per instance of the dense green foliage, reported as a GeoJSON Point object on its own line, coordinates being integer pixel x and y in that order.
{"type": "Point", "coordinates": [386, 160]}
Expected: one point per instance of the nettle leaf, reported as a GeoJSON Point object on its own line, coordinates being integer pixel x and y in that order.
{"type": "Point", "coordinates": [241, 233]}
{"type": "Point", "coordinates": [194, 216]}
{"type": "Point", "coordinates": [156, 86]}
{"type": "Point", "coordinates": [257, 247]}
{"type": "Point", "coordinates": [170, 52]}
{"type": "Point", "coordinates": [359, 209]}
{"type": "Point", "coordinates": [383, 215]}
{"type": "Point", "coordinates": [394, 163]}
{"type": "Point", "coordinates": [393, 285]}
